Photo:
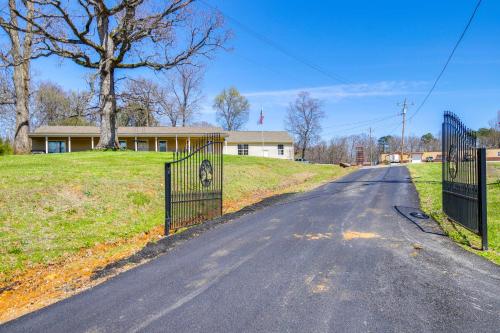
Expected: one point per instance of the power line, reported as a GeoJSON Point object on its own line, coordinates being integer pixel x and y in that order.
{"type": "Point", "coordinates": [448, 60]}
{"type": "Point", "coordinates": [279, 47]}
{"type": "Point", "coordinates": [361, 125]}
{"type": "Point", "coordinates": [361, 122]}
{"type": "Point", "coordinates": [394, 126]}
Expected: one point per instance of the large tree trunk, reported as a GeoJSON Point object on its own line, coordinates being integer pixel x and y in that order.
{"type": "Point", "coordinates": [108, 108]}
{"type": "Point", "coordinates": [21, 54]}
{"type": "Point", "coordinates": [107, 97]}
{"type": "Point", "coordinates": [21, 86]}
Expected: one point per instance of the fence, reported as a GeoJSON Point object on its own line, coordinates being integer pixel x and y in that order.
{"type": "Point", "coordinates": [464, 177]}
{"type": "Point", "coordinates": [193, 183]}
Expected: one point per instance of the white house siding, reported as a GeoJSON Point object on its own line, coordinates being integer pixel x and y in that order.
{"type": "Point", "coordinates": [268, 150]}
{"type": "Point", "coordinates": [416, 157]}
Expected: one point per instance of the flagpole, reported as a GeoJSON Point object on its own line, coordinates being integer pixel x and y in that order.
{"type": "Point", "coordinates": [262, 129]}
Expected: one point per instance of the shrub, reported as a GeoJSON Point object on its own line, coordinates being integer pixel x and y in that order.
{"type": "Point", "coordinates": [5, 147]}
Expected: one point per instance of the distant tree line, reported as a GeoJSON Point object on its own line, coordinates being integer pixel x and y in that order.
{"type": "Point", "coordinates": [489, 137]}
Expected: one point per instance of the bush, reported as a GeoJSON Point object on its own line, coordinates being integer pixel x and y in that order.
{"type": "Point", "coordinates": [5, 147]}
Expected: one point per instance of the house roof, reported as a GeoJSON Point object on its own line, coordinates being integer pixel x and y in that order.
{"type": "Point", "coordinates": [133, 131]}
{"type": "Point", "coordinates": [258, 137]}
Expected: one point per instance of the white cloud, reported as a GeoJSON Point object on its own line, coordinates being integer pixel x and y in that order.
{"type": "Point", "coordinates": [335, 93]}
{"type": "Point", "coordinates": [332, 94]}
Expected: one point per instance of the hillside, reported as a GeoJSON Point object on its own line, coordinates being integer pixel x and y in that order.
{"type": "Point", "coordinates": [54, 206]}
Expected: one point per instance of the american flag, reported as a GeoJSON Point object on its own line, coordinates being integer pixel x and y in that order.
{"type": "Point", "coordinates": [261, 118]}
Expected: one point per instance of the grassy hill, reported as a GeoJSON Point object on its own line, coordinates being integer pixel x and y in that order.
{"type": "Point", "coordinates": [427, 179]}
{"type": "Point", "coordinates": [53, 206]}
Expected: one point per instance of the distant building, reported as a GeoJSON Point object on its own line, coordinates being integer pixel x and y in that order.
{"type": "Point", "coordinates": [430, 156]}
{"type": "Point", "coordinates": [413, 157]}
{"type": "Point", "coordinates": [63, 139]}
{"type": "Point", "coordinates": [275, 144]}
{"type": "Point", "coordinates": [492, 155]}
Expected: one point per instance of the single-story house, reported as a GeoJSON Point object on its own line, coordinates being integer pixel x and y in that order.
{"type": "Point", "coordinates": [62, 139]}
{"type": "Point", "coordinates": [275, 144]}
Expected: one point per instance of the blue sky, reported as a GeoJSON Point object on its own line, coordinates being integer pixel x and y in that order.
{"type": "Point", "coordinates": [385, 50]}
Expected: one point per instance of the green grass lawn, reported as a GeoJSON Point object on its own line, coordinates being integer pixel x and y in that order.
{"type": "Point", "coordinates": [52, 206]}
{"type": "Point", "coordinates": [427, 179]}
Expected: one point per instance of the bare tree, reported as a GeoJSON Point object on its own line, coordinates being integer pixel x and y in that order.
{"type": "Point", "coordinates": [413, 144]}
{"type": "Point", "coordinates": [303, 120]}
{"type": "Point", "coordinates": [231, 109]}
{"type": "Point", "coordinates": [141, 98]}
{"type": "Point", "coordinates": [186, 90]}
{"type": "Point", "coordinates": [338, 150]}
{"type": "Point", "coordinates": [203, 123]}
{"type": "Point", "coordinates": [166, 105]}
{"type": "Point", "coordinates": [7, 103]}
{"type": "Point", "coordinates": [18, 55]}
{"type": "Point", "coordinates": [52, 105]}
{"type": "Point", "coordinates": [158, 35]}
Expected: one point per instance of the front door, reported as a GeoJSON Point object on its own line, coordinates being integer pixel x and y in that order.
{"type": "Point", "coordinates": [162, 146]}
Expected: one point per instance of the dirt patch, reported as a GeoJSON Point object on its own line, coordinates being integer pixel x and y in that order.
{"type": "Point", "coordinates": [40, 286]}
{"type": "Point", "coordinates": [317, 236]}
{"type": "Point", "coordinates": [319, 288]}
{"type": "Point", "coordinates": [349, 235]}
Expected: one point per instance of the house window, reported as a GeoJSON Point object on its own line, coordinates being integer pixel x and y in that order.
{"type": "Point", "coordinates": [281, 150]}
{"type": "Point", "coordinates": [242, 149]}
{"type": "Point", "coordinates": [142, 145]}
{"type": "Point", "coordinates": [57, 147]}
{"type": "Point", "coordinates": [162, 146]}
{"type": "Point", "coordinates": [123, 144]}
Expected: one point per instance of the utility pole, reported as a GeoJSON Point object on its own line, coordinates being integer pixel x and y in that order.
{"type": "Point", "coordinates": [403, 113]}
{"type": "Point", "coordinates": [371, 158]}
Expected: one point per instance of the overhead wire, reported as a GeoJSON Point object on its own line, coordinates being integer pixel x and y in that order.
{"type": "Point", "coordinates": [361, 122]}
{"type": "Point", "coordinates": [344, 130]}
{"type": "Point", "coordinates": [279, 47]}
{"type": "Point", "coordinates": [336, 77]}
{"type": "Point", "coordinates": [469, 22]}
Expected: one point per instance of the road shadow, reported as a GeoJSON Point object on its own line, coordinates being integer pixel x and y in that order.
{"type": "Point", "coordinates": [429, 226]}
{"type": "Point", "coordinates": [388, 181]}
{"type": "Point", "coordinates": [416, 180]}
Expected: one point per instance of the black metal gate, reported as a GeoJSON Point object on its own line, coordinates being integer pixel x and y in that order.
{"type": "Point", "coordinates": [464, 177]}
{"type": "Point", "coordinates": [193, 183]}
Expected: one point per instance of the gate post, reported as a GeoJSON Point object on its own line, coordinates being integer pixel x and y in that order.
{"type": "Point", "coordinates": [168, 197]}
{"type": "Point", "coordinates": [482, 203]}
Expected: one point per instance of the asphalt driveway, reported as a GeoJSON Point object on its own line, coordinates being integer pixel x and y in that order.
{"type": "Point", "coordinates": [344, 257]}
